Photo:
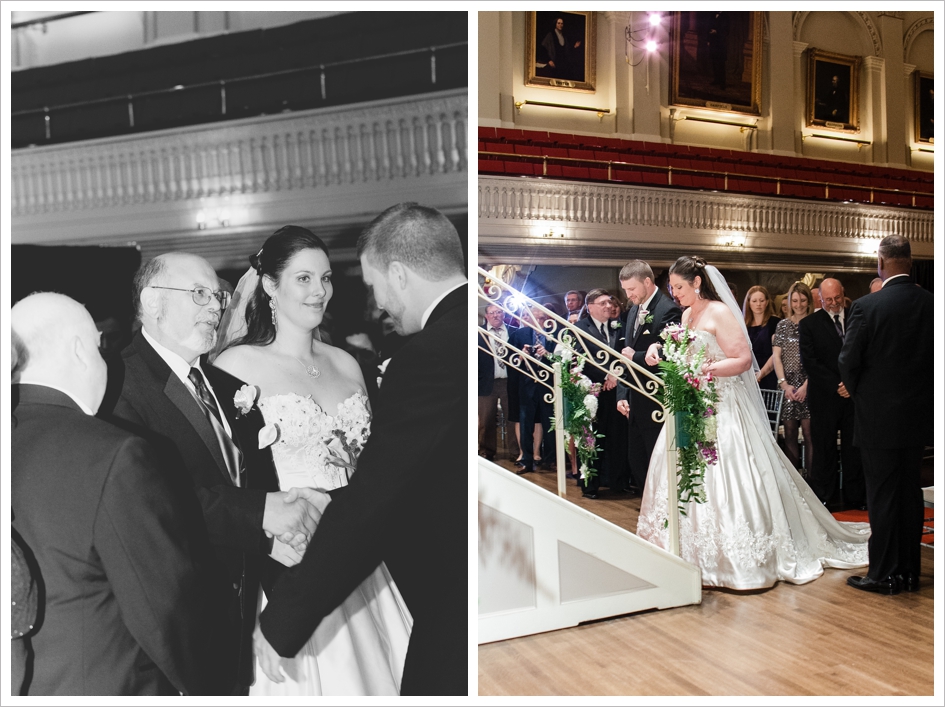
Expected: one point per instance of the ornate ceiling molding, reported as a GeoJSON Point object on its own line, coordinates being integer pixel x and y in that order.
{"type": "Point", "coordinates": [926, 24]}
{"type": "Point", "coordinates": [865, 20]}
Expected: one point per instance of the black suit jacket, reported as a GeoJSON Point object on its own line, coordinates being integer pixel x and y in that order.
{"type": "Point", "coordinates": [887, 365]}
{"type": "Point", "coordinates": [820, 348]}
{"type": "Point", "coordinates": [121, 611]}
{"type": "Point", "coordinates": [486, 361]}
{"type": "Point", "coordinates": [529, 390]}
{"type": "Point", "coordinates": [664, 311]}
{"type": "Point", "coordinates": [405, 505]}
{"type": "Point", "coordinates": [589, 327]}
{"type": "Point", "coordinates": [228, 523]}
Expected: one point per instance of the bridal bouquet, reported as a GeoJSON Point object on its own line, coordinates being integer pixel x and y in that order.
{"type": "Point", "coordinates": [691, 396]}
{"type": "Point", "coordinates": [579, 398]}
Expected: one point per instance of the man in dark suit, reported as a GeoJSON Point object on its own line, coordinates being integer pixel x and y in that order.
{"type": "Point", "coordinates": [184, 407]}
{"type": "Point", "coordinates": [651, 312]}
{"type": "Point", "coordinates": [120, 614]}
{"type": "Point", "coordinates": [493, 384]}
{"type": "Point", "coordinates": [535, 412]}
{"type": "Point", "coordinates": [887, 367]}
{"type": "Point", "coordinates": [406, 505]}
{"type": "Point", "coordinates": [821, 338]}
{"type": "Point", "coordinates": [611, 466]}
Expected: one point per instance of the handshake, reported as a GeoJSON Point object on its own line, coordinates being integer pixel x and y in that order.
{"type": "Point", "coordinates": [291, 518]}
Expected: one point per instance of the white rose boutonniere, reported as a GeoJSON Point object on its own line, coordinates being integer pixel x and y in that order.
{"type": "Point", "coordinates": [615, 324]}
{"type": "Point", "coordinates": [244, 399]}
{"type": "Point", "coordinates": [381, 368]}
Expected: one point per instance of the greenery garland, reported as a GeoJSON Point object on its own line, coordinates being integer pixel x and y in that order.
{"type": "Point", "coordinates": [691, 397]}
{"type": "Point", "coordinates": [579, 400]}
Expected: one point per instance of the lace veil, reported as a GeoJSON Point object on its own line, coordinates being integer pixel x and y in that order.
{"type": "Point", "coordinates": [748, 377]}
{"type": "Point", "coordinates": [233, 324]}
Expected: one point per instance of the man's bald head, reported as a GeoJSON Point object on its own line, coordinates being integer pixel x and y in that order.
{"type": "Point", "coordinates": [58, 345]}
{"type": "Point", "coordinates": [831, 295]}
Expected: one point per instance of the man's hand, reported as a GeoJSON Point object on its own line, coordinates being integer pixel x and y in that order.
{"type": "Point", "coordinates": [610, 382]}
{"type": "Point", "coordinates": [842, 390]}
{"type": "Point", "coordinates": [623, 407]}
{"type": "Point", "coordinates": [652, 355]}
{"type": "Point", "coordinates": [268, 659]}
{"type": "Point", "coordinates": [286, 554]}
{"type": "Point", "coordinates": [287, 519]}
{"type": "Point", "coordinates": [628, 352]}
{"type": "Point", "coordinates": [541, 351]}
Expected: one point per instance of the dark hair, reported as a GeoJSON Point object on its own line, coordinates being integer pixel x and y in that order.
{"type": "Point", "coordinates": [420, 237]}
{"type": "Point", "coordinates": [147, 274]}
{"type": "Point", "coordinates": [687, 267]}
{"type": "Point", "coordinates": [595, 295]}
{"type": "Point", "coordinates": [895, 248]}
{"type": "Point", "coordinates": [270, 261]}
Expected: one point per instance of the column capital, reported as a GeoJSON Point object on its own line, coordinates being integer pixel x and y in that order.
{"type": "Point", "coordinates": [874, 63]}
{"type": "Point", "coordinates": [799, 48]}
{"type": "Point", "coordinates": [907, 69]}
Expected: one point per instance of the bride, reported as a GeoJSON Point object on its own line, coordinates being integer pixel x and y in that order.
{"type": "Point", "coordinates": [760, 522]}
{"type": "Point", "coordinates": [311, 395]}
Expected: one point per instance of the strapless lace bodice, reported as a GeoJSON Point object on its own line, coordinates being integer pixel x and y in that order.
{"type": "Point", "coordinates": [310, 440]}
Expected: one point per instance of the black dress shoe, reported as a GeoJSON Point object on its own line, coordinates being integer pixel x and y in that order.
{"type": "Point", "coordinates": [890, 585]}
{"type": "Point", "coordinates": [909, 582]}
{"type": "Point", "coordinates": [525, 469]}
{"type": "Point", "coordinates": [589, 495]}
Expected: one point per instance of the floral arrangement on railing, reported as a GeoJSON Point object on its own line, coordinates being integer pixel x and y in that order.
{"type": "Point", "coordinates": [579, 400]}
{"type": "Point", "coordinates": [691, 397]}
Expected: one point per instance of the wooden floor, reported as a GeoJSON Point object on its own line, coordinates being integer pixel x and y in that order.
{"type": "Point", "coordinates": [822, 638]}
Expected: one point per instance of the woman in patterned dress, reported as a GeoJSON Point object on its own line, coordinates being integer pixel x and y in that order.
{"type": "Point", "coordinates": [792, 378]}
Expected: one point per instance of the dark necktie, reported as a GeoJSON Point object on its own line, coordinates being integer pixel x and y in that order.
{"type": "Point", "coordinates": [206, 397]}
{"type": "Point", "coordinates": [836, 322]}
{"type": "Point", "coordinates": [603, 333]}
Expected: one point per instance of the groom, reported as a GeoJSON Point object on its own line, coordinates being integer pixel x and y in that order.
{"type": "Point", "coordinates": [406, 505]}
{"type": "Point", "coordinates": [652, 311]}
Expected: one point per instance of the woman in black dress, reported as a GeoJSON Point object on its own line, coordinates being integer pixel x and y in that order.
{"type": "Point", "coordinates": [761, 323]}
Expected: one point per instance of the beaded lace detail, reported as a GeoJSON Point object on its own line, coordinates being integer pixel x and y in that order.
{"type": "Point", "coordinates": [310, 440]}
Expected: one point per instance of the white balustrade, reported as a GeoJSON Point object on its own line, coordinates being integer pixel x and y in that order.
{"type": "Point", "coordinates": [347, 145]}
{"type": "Point", "coordinates": [516, 199]}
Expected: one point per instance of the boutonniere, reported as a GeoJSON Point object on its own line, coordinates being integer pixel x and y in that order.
{"type": "Point", "coordinates": [268, 435]}
{"type": "Point", "coordinates": [381, 368]}
{"type": "Point", "coordinates": [245, 399]}
{"type": "Point", "coordinates": [615, 324]}
{"type": "Point", "coordinates": [647, 318]}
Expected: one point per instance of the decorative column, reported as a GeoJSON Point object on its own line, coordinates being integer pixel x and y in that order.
{"type": "Point", "coordinates": [800, 95]}
{"type": "Point", "coordinates": [647, 83]}
{"type": "Point", "coordinates": [615, 25]}
{"type": "Point", "coordinates": [894, 105]}
{"type": "Point", "coordinates": [780, 58]}
{"type": "Point", "coordinates": [873, 104]}
{"type": "Point", "coordinates": [909, 106]}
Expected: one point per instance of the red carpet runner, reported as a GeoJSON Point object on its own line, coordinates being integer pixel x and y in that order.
{"type": "Point", "coordinates": [863, 517]}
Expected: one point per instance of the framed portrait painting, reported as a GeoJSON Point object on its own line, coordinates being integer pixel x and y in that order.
{"type": "Point", "coordinates": [832, 91]}
{"type": "Point", "coordinates": [924, 108]}
{"type": "Point", "coordinates": [716, 60]}
{"type": "Point", "coordinates": [561, 50]}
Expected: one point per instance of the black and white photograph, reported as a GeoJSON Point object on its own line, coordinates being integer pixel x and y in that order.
{"type": "Point", "coordinates": [716, 60]}
{"type": "Point", "coordinates": [833, 95]}
{"type": "Point", "coordinates": [561, 50]}
{"type": "Point", "coordinates": [238, 282]}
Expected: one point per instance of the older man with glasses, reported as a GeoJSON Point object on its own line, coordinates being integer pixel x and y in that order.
{"type": "Point", "coordinates": [170, 395]}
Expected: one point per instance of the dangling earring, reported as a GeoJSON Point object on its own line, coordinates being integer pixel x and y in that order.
{"type": "Point", "coordinates": [697, 292]}
{"type": "Point", "coordinates": [272, 306]}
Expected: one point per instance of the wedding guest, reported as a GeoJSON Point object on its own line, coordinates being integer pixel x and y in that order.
{"type": "Point", "coordinates": [573, 301]}
{"type": "Point", "coordinates": [887, 366]}
{"type": "Point", "coordinates": [782, 306]}
{"type": "Point", "coordinates": [792, 378]}
{"type": "Point", "coordinates": [815, 298]}
{"type": "Point", "coordinates": [24, 592]}
{"type": "Point", "coordinates": [831, 410]}
{"type": "Point", "coordinates": [493, 380]}
{"type": "Point", "coordinates": [651, 312]}
{"type": "Point", "coordinates": [876, 284]}
{"type": "Point", "coordinates": [758, 311]}
{"type": "Point", "coordinates": [534, 411]}
{"type": "Point", "coordinates": [186, 408]}
{"type": "Point", "coordinates": [122, 599]}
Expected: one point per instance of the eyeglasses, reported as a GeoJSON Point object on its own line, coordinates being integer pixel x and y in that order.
{"type": "Point", "coordinates": [201, 295]}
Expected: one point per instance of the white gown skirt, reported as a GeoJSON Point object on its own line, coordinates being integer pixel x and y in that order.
{"type": "Point", "coordinates": [761, 523]}
{"type": "Point", "coordinates": [358, 649]}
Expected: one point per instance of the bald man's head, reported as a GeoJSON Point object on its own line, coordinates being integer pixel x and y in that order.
{"type": "Point", "coordinates": [58, 345]}
{"type": "Point", "coordinates": [831, 294]}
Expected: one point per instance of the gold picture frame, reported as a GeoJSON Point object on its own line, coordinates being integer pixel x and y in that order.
{"type": "Point", "coordinates": [833, 96]}
{"type": "Point", "coordinates": [716, 60]}
{"type": "Point", "coordinates": [564, 59]}
{"type": "Point", "coordinates": [924, 108]}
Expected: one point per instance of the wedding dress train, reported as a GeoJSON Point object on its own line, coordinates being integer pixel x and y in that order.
{"type": "Point", "coordinates": [359, 648]}
{"type": "Point", "coordinates": [761, 523]}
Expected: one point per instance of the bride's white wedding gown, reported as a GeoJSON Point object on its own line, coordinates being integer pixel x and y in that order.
{"type": "Point", "coordinates": [359, 648]}
{"type": "Point", "coordinates": [761, 523]}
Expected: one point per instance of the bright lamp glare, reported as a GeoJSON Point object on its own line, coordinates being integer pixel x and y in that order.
{"type": "Point", "coordinates": [515, 304]}
{"type": "Point", "coordinates": [655, 19]}
{"type": "Point", "coordinates": [651, 46]}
